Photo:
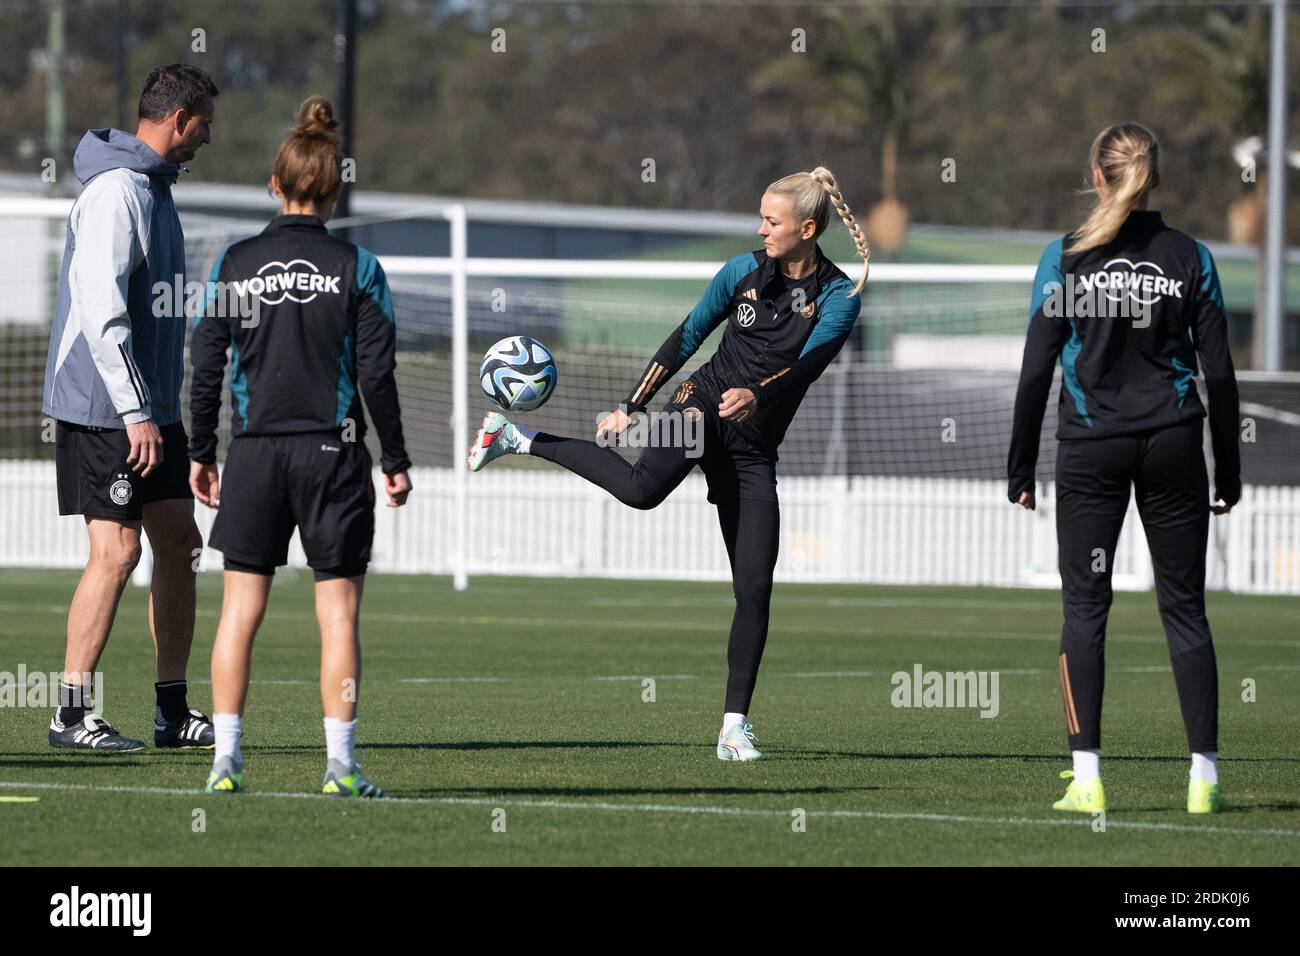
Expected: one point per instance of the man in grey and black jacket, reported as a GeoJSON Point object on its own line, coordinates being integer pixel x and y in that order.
{"type": "Point", "coordinates": [112, 383]}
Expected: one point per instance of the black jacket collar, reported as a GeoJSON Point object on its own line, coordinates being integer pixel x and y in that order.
{"type": "Point", "coordinates": [312, 223]}
{"type": "Point", "coordinates": [1141, 222]}
{"type": "Point", "coordinates": [824, 272]}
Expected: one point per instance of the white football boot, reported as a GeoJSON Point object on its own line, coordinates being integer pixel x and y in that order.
{"type": "Point", "coordinates": [496, 437]}
{"type": "Point", "coordinates": [737, 743]}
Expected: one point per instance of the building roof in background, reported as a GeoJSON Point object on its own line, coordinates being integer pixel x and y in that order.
{"type": "Point", "coordinates": [367, 207]}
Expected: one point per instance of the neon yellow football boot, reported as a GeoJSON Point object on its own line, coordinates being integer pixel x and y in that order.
{"type": "Point", "coordinates": [1081, 797]}
{"type": "Point", "coordinates": [1204, 797]}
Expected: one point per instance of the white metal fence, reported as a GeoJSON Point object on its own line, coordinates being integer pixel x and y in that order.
{"type": "Point", "coordinates": [834, 529]}
{"type": "Point", "coordinates": [877, 529]}
{"type": "Point", "coordinates": [458, 269]}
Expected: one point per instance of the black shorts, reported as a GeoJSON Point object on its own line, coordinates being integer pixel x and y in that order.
{"type": "Point", "coordinates": [733, 466]}
{"type": "Point", "coordinates": [94, 479]}
{"type": "Point", "coordinates": [318, 483]}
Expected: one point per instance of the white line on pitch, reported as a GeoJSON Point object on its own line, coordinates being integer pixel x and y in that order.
{"type": "Point", "coordinates": [644, 676]}
{"type": "Point", "coordinates": [675, 808]}
{"type": "Point", "coordinates": [206, 680]}
{"type": "Point", "coordinates": [828, 674]}
{"type": "Point", "coordinates": [1005, 671]}
{"type": "Point", "coordinates": [804, 627]}
{"type": "Point", "coordinates": [452, 680]}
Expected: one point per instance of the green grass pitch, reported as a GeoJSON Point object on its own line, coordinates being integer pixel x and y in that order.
{"type": "Point", "coordinates": [526, 696]}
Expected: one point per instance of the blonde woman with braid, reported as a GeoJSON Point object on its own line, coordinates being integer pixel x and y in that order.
{"type": "Point", "coordinates": [787, 310]}
{"type": "Point", "coordinates": [1129, 305]}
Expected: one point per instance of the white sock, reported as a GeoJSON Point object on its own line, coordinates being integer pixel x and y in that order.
{"type": "Point", "coordinates": [526, 436]}
{"type": "Point", "coordinates": [340, 735]}
{"type": "Point", "coordinates": [1087, 765]}
{"type": "Point", "coordinates": [730, 720]}
{"type": "Point", "coordinates": [229, 728]}
{"type": "Point", "coordinates": [1206, 766]}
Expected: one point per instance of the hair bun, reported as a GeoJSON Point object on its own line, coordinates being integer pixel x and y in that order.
{"type": "Point", "coordinates": [824, 176]}
{"type": "Point", "coordinates": [316, 118]}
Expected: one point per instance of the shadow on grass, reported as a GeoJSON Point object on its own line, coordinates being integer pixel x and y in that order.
{"type": "Point", "coordinates": [1042, 758]}
{"type": "Point", "coordinates": [476, 745]}
{"type": "Point", "coordinates": [626, 791]}
{"type": "Point", "coordinates": [44, 762]}
{"type": "Point", "coordinates": [1251, 808]}
{"type": "Point", "coordinates": [41, 759]}
{"type": "Point", "coordinates": [153, 756]}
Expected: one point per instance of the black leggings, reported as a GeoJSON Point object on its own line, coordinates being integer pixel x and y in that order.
{"type": "Point", "coordinates": [750, 522]}
{"type": "Point", "coordinates": [1093, 476]}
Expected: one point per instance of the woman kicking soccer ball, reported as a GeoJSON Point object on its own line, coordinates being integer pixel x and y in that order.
{"type": "Point", "coordinates": [788, 311]}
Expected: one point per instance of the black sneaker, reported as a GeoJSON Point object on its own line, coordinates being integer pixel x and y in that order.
{"type": "Point", "coordinates": [189, 730]}
{"type": "Point", "coordinates": [92, 732]}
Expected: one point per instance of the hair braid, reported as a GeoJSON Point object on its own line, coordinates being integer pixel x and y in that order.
{"type": "Point", "coordinates": [827, 180]}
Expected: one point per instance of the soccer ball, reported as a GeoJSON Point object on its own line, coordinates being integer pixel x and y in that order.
{"type": "Point", "coordinates": [518, 373]}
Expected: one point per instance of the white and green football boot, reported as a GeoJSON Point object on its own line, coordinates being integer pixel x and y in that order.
{"type": "Point", "coordinates": [496, 437]}
{"type": "Point", "coordinates": [737, 743]}
{"type": "Point", "coordinates": [344, 781]}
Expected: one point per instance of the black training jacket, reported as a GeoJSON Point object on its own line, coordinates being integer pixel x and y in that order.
{"type": "Point", "coordinates": [308, 320]}
{"type": "Point", "coordinates": [780, 336]}
{"type": "Point", "coordinates": [1128, 321]}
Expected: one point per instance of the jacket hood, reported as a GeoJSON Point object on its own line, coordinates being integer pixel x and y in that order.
{"type": "Point", "coordinates": [103, 149]}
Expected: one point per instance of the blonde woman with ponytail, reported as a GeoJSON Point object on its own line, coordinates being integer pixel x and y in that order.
{"type": "Point", "coordinates": [788, 310]}
{"type": "Point", "coordinates": [1129, 305]}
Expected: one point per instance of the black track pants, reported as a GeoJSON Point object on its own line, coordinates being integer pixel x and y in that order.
{"type": "Point", "coordinates": [1093, 476]}
{"type": "Point", "coordinates": [742, 484]}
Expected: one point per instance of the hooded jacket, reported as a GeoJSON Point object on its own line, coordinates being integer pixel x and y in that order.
{"type": "Point", "coordinates": [112, 360]}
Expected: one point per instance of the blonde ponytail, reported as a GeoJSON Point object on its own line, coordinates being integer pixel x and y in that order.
{"type": "Point", "coordinates": [814, 194]}
{"type": "Point", "coordinates": [1129, 159]}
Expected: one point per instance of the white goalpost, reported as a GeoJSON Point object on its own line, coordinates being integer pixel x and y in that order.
{"type": "Point", "coordinates": [892, 472]}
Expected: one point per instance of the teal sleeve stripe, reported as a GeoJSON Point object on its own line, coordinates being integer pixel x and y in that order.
{"type": "Point", "coordinates": [713, 303]}
{"type": "Point", "coordinates": [238, 383]}
{"type": "Point", "coordinates": [1048, 278]}
{"type": "Point", "coordinates": [1184, 373]}
{"type": "Point", "coordinates": [836, 313]}
{"type": "Point", "coordinates": [372, 282]}
{"type": "Point", "coordinates": [1049, 281]}
{"type": "Point", "coordinates": [347, 386]}
{"type": "Point", "coordinates": [1209, 287]}
{"type": "Point", "coordinates": [1070, 372]}
{"type": "Point", "coordinates": [210, 295]}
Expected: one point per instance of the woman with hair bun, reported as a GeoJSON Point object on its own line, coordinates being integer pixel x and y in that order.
{"type": "Point", "coordinates": [788, 310]}
{"type": "Point", "coordinates": [308, 320]}
{"type": "Point", "coordinates": [1128, 305]}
